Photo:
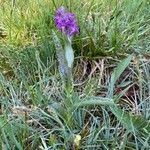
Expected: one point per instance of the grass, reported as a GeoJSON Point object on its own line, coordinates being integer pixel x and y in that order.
{"type": "Point", "coordinates": [109, 106]}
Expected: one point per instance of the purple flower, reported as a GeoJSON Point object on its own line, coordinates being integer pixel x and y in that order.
{"type": "Point", "coordinates": [66, 22]}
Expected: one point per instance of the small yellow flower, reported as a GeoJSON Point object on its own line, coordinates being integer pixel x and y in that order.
{"type": "Point", "coordinates": [77, 140]}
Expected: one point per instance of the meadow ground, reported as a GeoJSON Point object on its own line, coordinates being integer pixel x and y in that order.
{"type": "Point", "coordinates": [109, 105]}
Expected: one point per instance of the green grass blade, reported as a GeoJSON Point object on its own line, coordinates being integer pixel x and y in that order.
{"type": "Point", "coordinates": [117, 72]}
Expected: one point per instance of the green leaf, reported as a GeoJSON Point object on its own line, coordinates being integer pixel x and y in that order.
{"type": "Point", "coordinates": [117, 72]}
{"type": "Point", "coordinates": [95, 101]}
{"type": "Point", "coordinates": [131, 122]}
{"type": "Point", "coordinates": [69, 55]}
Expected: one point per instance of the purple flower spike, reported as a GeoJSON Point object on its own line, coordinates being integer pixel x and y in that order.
{"type": "Point", "coordinates": [66, 22]}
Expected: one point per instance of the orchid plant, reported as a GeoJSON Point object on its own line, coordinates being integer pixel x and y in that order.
{"type": "Point", "coordinates": [66, 23]}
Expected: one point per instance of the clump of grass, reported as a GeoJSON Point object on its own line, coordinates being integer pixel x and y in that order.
{"type": "Point", "coordinates": [106, 27]}
{"type": "Point", "coordinates": [46, 121]}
